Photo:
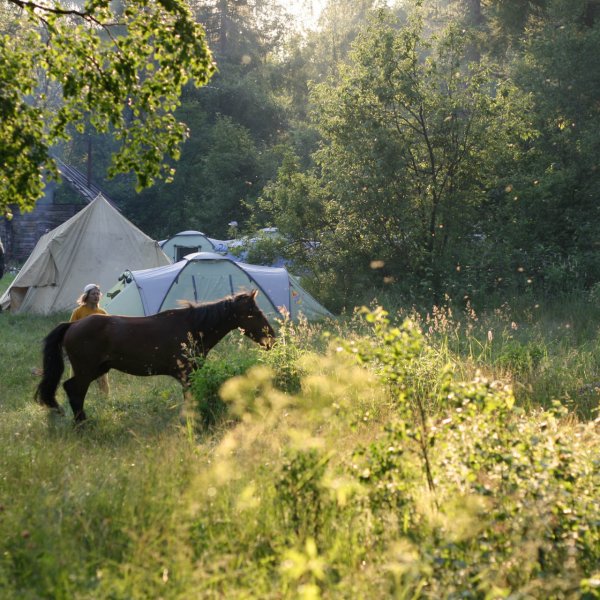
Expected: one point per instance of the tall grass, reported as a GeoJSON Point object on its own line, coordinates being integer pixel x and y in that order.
{"type": "Point", "coordinates": [547, 353]}
{"type": "Point", "coordinates": [311, 479]}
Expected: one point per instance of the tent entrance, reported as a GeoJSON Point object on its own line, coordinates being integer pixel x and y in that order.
{"type": "Point", "coordinates": [182, 251]}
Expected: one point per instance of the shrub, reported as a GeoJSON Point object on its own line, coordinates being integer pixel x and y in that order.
{"type": "Point", "coordinates": [284, 357]}
{"type": "Point", "coordinates": [520, 358]}
{"type": "Point", "coordinates": [301, 491]}
{"type": "Point", "coordinates": [510, 503]}
{"type": "Point", "coordinates": [207, 381]}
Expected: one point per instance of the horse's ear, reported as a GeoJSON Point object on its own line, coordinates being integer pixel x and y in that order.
{"type": "Point", "coordinates": [253, 294]}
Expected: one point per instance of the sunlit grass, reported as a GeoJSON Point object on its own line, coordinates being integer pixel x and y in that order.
{"type": "Point", "coordinates": [312, 485]}
{"type": "Point", "coordinates": [546, 353]}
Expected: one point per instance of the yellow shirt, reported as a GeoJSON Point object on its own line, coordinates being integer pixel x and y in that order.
{"type": "Point", "coordinates": [85, 311]}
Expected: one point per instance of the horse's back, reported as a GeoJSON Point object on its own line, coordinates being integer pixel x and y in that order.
{"type": "Point", "coordinates": [115, 324]}
{"type": "Point", "coordinates": [90, 325]}
{"type": "Point", "coordinates": [160, 327]}
{"type": "Point", "coordinates": [110, 334]}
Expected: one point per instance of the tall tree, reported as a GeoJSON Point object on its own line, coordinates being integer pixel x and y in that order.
{"type": "Point", "coordinates": [242, 31]}
{"type": "Point", "coordinates": [234, 122]}
{"type": "Point", "coordinates": [552, 211]}
{"type": "Point", "coordinates": [121, 71]}
{"type": "Point", "coordinates": [411, 138]}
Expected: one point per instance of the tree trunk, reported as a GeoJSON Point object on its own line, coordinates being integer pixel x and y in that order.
{"type": "Point", "coordinates": [592, 11]}
{"type": "Point", "coordinates": [474, 21]}
{"type": "Point", "coordinates": [223, 27]}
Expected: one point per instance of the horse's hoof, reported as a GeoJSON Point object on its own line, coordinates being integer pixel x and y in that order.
{"type": "Point", "coordinates": [58, 410]}
{"type": "Point", "coordinates": [80, 419]}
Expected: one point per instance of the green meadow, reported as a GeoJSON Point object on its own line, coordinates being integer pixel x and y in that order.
{"type": "Point", "coordinates": [386, 454]}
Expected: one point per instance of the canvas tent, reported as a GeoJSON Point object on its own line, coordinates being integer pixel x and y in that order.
{"type": "Point", "coordinates": [94, 246]}
{"type": "Point", "coordinates": [207, 276]}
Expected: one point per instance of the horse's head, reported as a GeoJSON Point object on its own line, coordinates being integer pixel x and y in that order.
{"type": "Point", "coordinates": [252, 320]}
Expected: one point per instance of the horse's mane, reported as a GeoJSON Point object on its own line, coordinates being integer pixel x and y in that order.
{"type": "Point", "coordinates": [209, 314]}
{"type": "Point", "coordinates": [226, 299]}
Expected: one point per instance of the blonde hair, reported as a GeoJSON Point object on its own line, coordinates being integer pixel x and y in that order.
{"type": "Point", "coordinates": [84, 297]}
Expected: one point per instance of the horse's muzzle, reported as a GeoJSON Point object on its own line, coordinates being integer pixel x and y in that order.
{"type": "Point", "coordinates": [267, 342]}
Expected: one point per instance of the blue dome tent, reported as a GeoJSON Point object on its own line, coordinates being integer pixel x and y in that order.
{"type": "Point", "coordinates": [207, 276]}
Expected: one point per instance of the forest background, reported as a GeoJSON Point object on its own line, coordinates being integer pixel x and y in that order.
{"type": "Point", "coordinates": [412, 153]}
{"type": "Point", "coordinates": [412, 149]}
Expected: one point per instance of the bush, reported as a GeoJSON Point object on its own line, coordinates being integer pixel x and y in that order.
{"type": "Point", "coordinates": [207, 381]}
{"type": "Point", "coordinates": [520, 358]}
{"type": "Point", "coordinates": [284, 357]}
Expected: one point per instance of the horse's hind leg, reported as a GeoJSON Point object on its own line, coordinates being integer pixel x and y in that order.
{"type": "Point", "coordinates": [102, 379]}
{"type": "Point", "coordinates": [76, 390]}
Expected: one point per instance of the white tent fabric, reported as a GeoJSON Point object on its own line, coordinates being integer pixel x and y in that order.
{"type": "Point", "coordinates": [207, 276]}
{"type": "Point", "coordinates": [183, 243]}
{"type": "Point", "coordinates": [94, 246]}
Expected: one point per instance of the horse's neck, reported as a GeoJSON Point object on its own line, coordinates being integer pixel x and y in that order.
{"type": "Point", "coordinates": [223, 328]}
{"type": "Point", "coordinates": [210, 334]}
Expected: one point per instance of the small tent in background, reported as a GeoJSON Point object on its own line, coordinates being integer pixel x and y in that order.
{"type": "Point", "coordinates": [207, 276]}
{"type": "Point", "coordinates": [94, 246]}
{"type": "Point", "coordinates": [188, 242]}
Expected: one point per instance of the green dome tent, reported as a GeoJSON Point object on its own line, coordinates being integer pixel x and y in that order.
{"type": "Point", "coordinates": [206, 276]}
{"type": "Point", "coordinates": [186, 242]}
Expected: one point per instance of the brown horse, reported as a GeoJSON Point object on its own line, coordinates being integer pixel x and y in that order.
{"type": "Point", "coordinates": [154, 345]}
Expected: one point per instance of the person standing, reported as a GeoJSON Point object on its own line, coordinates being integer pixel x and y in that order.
{"type": "Point", "coordinates": [88, 305]}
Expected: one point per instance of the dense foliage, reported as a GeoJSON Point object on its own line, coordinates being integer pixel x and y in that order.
{"type": "Point", "coordinates": [450, 159]}
{"type": "Point", "coordinates": [110, 67]}
{"type": "Point", "coordinates": [417, 148]}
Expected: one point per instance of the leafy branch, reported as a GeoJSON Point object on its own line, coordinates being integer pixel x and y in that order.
{"type": "Point", "coordinates": [120, 73]}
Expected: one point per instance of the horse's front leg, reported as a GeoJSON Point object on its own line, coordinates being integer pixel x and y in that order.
{"type": "Point", "coordinates": [188, 410]}
{"type": "Point", "coordinates": [76, 389]}
{"type": "Point", "coordinates": [187, 414]}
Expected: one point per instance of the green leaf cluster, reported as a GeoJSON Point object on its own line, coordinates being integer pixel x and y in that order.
{"type": "Point", "coordinates": [120, 68]}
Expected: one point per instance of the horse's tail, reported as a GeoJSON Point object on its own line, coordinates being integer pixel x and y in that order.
{"type": "Point", "coordinates": [54, 366]}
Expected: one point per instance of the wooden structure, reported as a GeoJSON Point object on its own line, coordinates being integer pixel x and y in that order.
{"type": "Point", "coordinates": [22, 232]}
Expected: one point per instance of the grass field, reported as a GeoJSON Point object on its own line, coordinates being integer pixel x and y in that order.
{"type": "Point", "coordinates": [452, 456]}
